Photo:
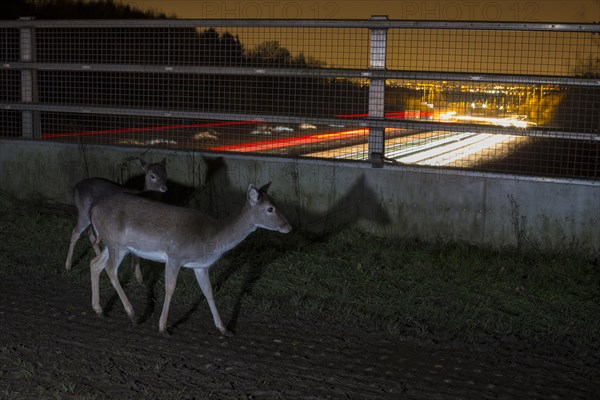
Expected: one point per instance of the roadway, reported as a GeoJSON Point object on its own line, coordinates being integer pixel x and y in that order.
{"type": "Point", "coordinates": [427, 148]}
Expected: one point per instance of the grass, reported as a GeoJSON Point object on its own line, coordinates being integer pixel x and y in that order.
{"type": "Point", "coordinates": [432, 290]}
{"type": "Point", "coordinates": [439, 289]}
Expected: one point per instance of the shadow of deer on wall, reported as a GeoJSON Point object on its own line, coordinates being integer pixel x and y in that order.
{"type": "Point", "coordinates": [345, 207]}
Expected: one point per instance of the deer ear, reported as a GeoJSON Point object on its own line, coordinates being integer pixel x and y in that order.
{"type": "Point", "coordinates": [253, 194]}
{"type": "Point", "coordinates": [143, 163]}
{"type": "Point", "coordinates": [164, 161]}
{"type": "Point", "coordinates": [264, 187]}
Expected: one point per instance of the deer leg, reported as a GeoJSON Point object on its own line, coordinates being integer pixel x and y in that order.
{"type": "Point", "coordinates": [138, 271]}
{"type": "Point", "coordinates": [203, 278]}
{"type": "Point", "coordinates": [112, 269]}
{"type": "Point", "coordinates": [82, 223]}
{"type": "Point", "coordinates": [171, 272]}
{"type": "Point", "coordinates": [96, 267]}
{"type": "Point", "coordinates": [95, 242]}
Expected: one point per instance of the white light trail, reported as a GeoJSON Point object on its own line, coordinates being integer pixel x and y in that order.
{"type": "Point", "coordinates": [438, 150]}
{"type": "Point", "coordinates": [479, 142]}
{"type": "Point", "coordinates": [427, 143]}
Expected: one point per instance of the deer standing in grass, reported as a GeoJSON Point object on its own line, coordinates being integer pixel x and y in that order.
{"type": "Point", "coordinates": [179, 237]}
{"type": "Point", "coordinates": [89, 191]}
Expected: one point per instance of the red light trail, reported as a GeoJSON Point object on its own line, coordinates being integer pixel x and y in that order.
{"type": "Point", "coordinates": [292, 141]}
{"type": "Point", "coordinates": [246, 147]}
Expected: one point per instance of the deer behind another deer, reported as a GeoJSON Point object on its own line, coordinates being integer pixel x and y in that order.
{"type": "Point", "coordinates": [89, 191]}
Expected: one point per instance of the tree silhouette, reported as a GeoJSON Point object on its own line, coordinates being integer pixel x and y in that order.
{"type": "Point", "coordinates": [271, 53]}
{"type": "Point", "coordinates": [587, 68]}
{"type": "Point", "coordinates": [72, 9]}
{"type": "Point", "coordinates": [214, 92]}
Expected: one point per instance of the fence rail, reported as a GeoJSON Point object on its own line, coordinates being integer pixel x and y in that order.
{"type": "Point", "coordinates": [520, 98]}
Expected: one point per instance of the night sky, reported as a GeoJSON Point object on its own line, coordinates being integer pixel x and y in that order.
{"type": "Point", "coordinates": [572, 11]}
{"type": "Point", "coordinates": [499, 10]}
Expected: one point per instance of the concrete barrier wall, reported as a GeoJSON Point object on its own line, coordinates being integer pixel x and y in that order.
{"type": "Point", "coordinates": [499, 210]}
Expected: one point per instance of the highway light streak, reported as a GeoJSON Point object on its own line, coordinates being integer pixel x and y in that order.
{"type": "Point", "coordinates": [454, 144]}
{"type": "Point", "coordinates": [394, 148]}
{"type": "Point", "coordinates": [420, 145]}
{"type": "Point", "coordinates": [514, 121]}
{"type": "Point", "coordinates": [410, 114]}
{"type": "Point", "coordinates": [436, 148]}
{"type": "Point", "coordinates": [462, 149]}
{"type": "Point", "coordinates": [433, 148]}
{"type": "Point", "coordinates": [291, 141]}
{"type": "Point", "coordinates": [486, 141]}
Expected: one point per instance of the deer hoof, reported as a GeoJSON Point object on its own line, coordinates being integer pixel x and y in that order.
{"type": "Point", "coordinates": [165, 333]}
{"type": "Point", "coordinates": [227, 332]}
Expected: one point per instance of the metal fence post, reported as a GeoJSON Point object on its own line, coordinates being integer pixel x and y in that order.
{"type": "Point", "coordinates": [30, 124]}
{"type": "Point", "coordinates": [378, 49]}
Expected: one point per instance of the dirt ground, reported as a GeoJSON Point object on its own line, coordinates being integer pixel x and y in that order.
{"type": "Point", "coordinates": [53, 346]}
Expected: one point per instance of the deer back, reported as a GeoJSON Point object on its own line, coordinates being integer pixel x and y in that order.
{"type": "Point", "coordinates": [159, 231]}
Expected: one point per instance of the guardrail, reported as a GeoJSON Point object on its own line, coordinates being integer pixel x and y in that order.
{"type": "Point", "coordinates": [521, 98]}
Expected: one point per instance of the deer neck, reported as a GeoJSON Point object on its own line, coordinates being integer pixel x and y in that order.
{"type": "Point", "coordinates": [234, 229]}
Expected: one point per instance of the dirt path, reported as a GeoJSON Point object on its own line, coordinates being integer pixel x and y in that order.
{"type": "Point", "coordinates": [53, 346]}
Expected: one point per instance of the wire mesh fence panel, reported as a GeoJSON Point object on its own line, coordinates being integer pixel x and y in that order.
{"type": "Point", "coordinates": [289, 47]}
{"type": "Point", "coordinates": [488, 97]}
{"type": "Point", "coordinates": [537, 85]}
{"type": "Point", "coordinates": [10, 124]}
{"type": "Point", "coordinates": [11, 86]}
{"type": "Point", "coordinates": [9, 44]}
{"type": "Point", "coordinates": [141, 131]}
{"type": "Point", "coordinates": [493, 51]}
{"type": "Point", "coordinates": [10, 120]}
{"type": "Point", "coordinates": [240, 71]}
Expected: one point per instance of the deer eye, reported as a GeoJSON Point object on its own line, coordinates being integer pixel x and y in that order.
{"type": "Point", "coordinates": [152, 176]}
{"type": "Point", "coordinates": [270, 209]}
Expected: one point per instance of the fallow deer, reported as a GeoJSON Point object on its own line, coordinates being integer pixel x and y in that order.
{"type": "Point", "coordinates": [179, 237]}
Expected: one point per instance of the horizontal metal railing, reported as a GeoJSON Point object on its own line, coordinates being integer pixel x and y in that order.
{"type": "Point", "coordinates": [30, 106]}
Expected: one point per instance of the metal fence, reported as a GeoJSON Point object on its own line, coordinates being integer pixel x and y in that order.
{"type": "Point", "coordinates": [521, 98]}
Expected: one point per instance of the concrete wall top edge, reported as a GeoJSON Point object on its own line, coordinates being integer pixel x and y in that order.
{"type": "Point", "coordinates": [316, 161]}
